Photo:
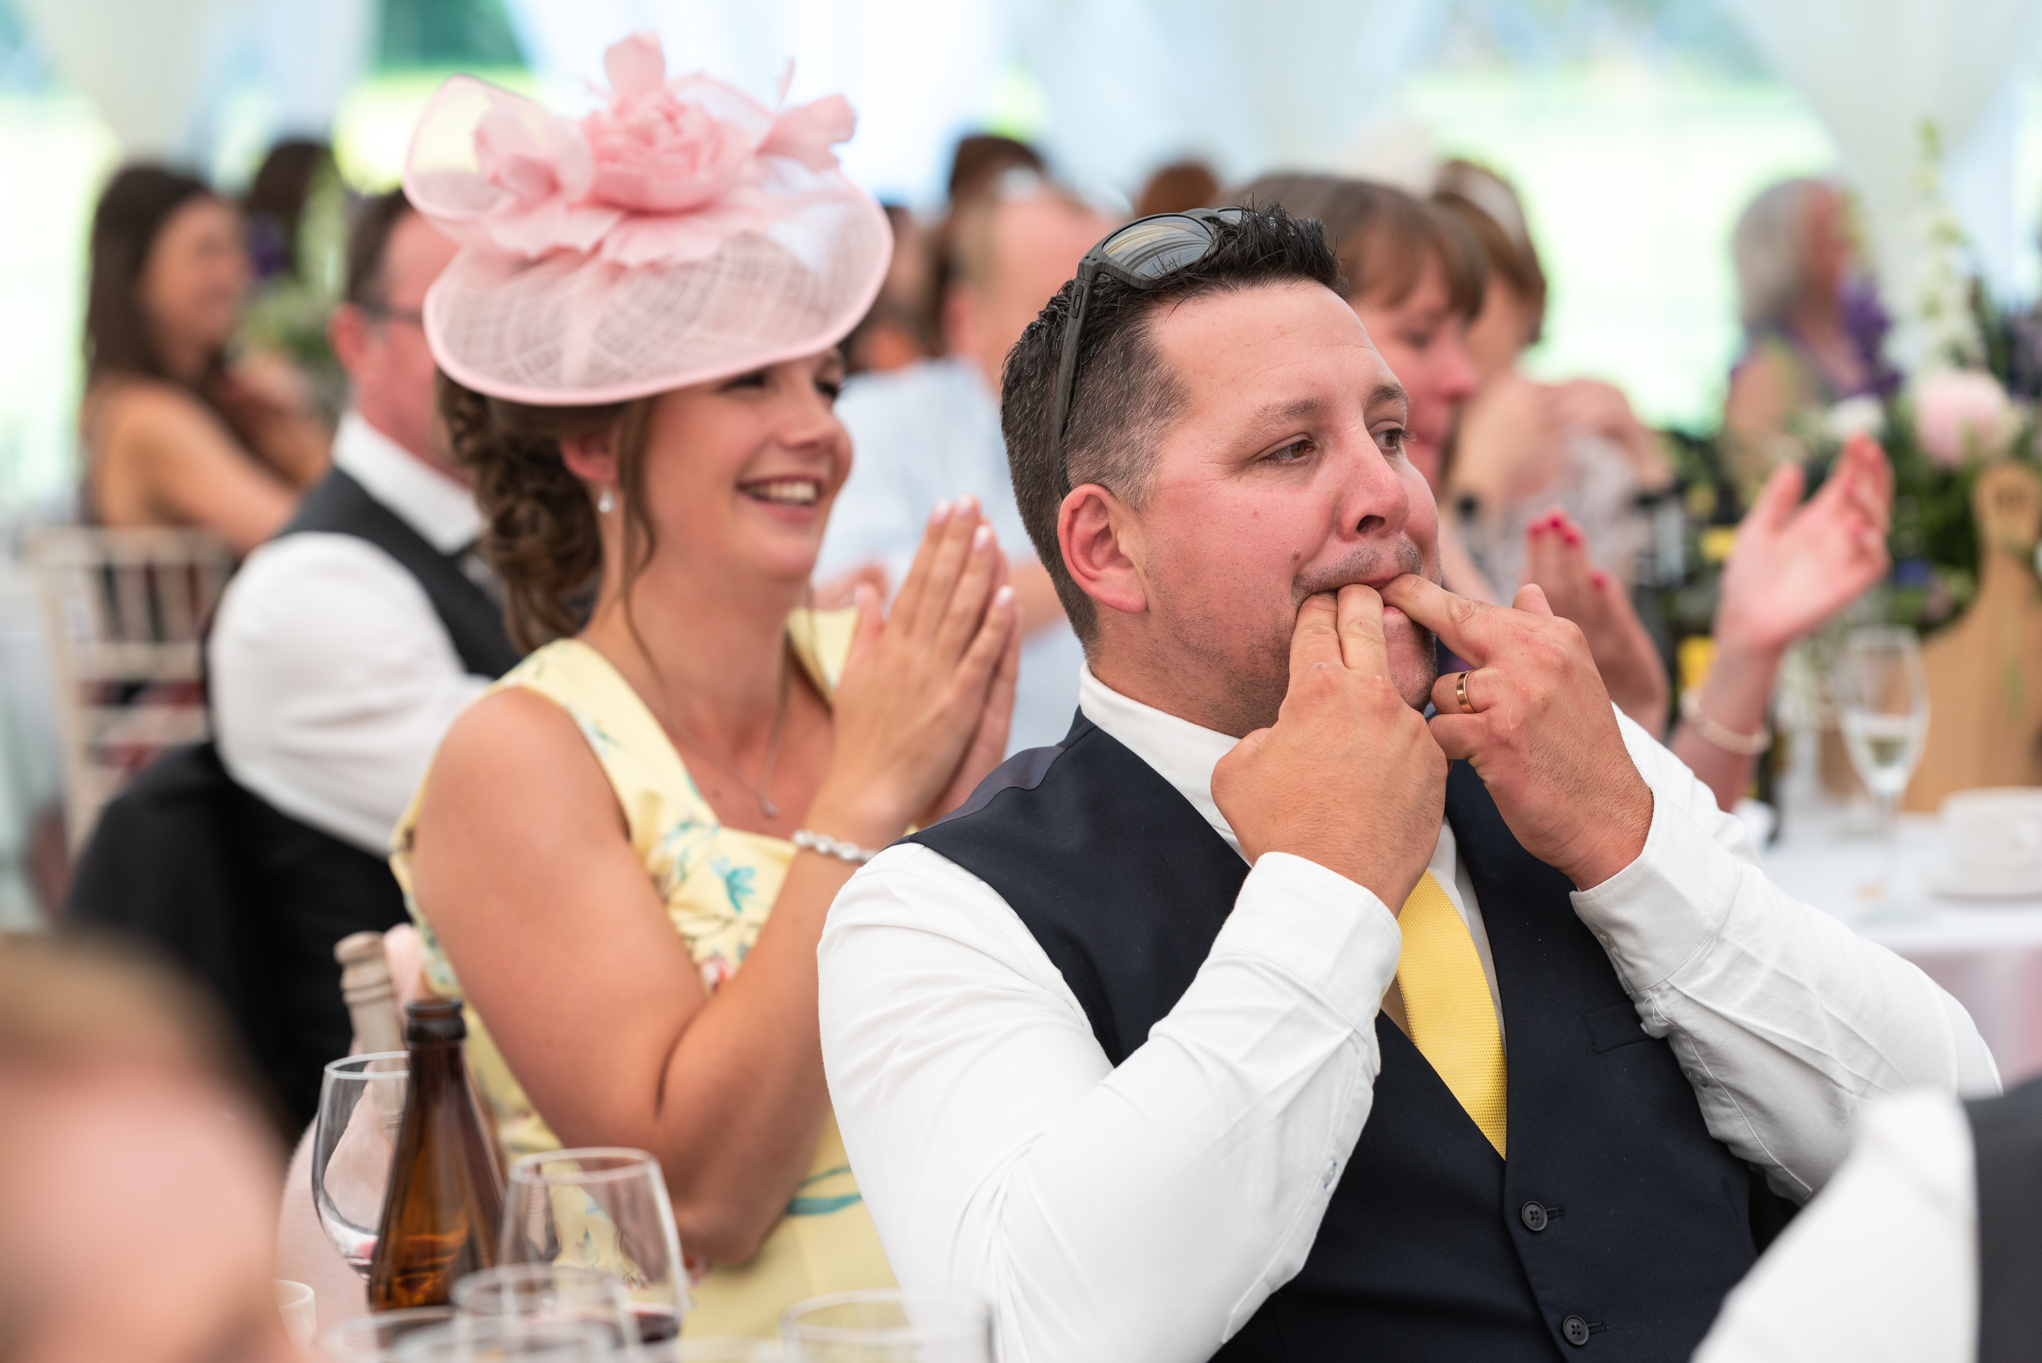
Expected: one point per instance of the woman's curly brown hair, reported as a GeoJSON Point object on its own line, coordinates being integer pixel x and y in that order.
{"type": "Point", "coordinates": [540, 532]}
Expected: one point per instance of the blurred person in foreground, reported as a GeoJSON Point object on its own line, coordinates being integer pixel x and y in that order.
{"type": "Point", "coordinates": [931, 433]}
{"type": "Point", "coordinates": [1187, 1038]}
{"type": "Point", "coordinates": [137, 1183]}
{"type": "Point", "coordinates": [344, 647]}
{"type": "Point", "coordinates": [1811, 333]}
{"type": "Point", "coordinates": [172, 434]}
{"type": "Point", "coordinates": [623, 853]}
{"type": "Point", "coordinates": [1547, 465]}
{"type": "Point", "coordinates": [1922, 1249]}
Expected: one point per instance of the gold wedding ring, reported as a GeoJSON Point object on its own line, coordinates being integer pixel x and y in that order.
{"type": "Point", "coordinates": [1461, 694]}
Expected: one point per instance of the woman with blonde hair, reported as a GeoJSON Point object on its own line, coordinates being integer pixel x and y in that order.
{"type": "Point", "coordinates": [623, 852]}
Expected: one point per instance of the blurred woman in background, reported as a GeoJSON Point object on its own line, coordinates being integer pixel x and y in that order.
{"type": "Point", "coordinates": [172, 434]}
{"type": "Point", "coordinates": [1810, 340]}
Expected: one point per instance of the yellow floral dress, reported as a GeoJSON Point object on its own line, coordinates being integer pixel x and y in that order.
{"type": "Point", "coordinates": [719, 885]}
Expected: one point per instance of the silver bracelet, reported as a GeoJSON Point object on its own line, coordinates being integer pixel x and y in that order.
{"type": "Point", "coordinates": [828, 846]}
{"type": "Point", "coordinates": [1721, 736]}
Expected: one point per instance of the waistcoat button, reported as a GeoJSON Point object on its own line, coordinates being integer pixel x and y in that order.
{"type": "Point", "coordinates": [1576, 1330]}
{"type": "Point", "coordinates": [1533, 1216]}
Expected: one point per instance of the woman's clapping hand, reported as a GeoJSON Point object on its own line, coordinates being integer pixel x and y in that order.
{"type": "Point", "coordinates": [923, 708]}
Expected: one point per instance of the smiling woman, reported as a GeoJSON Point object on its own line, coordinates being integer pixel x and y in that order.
{"type": "Point", "coordinates": [623, 853]}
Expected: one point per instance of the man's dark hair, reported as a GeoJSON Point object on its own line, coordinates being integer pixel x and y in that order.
{"type": "Point", "coordinates": [368, 241]}
{"type": "Point", "coordinates": [1125, 394]}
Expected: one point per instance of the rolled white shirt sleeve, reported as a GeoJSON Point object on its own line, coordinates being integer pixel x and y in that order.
{"type": "Point", "coordinates": [333, 682]}
{"type": "Point", "coordinates": [1883, 1267]}
{"type": "Point", "coordinates": [1785, 1020]}
{"type": "Point", "coordinates": [1144, 1211]}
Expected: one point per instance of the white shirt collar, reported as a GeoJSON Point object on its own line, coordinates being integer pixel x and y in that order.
{"type": "Point", "coordinates": [441, 509]}
{"type": "Point", "coordinates": [1181, 752]}
{"type": "Point", "coordinates": [1184, 754]}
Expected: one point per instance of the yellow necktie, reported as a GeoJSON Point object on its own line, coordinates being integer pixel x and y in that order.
{"type": "Point", "coordinates": [1447, 1005]}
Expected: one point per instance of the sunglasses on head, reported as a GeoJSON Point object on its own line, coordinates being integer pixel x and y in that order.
{"type": "Point", "coordinates": [1139, 255]}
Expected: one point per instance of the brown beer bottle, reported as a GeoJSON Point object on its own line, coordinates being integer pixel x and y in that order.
{"type": "Point", "coordinates": [445, 1203]}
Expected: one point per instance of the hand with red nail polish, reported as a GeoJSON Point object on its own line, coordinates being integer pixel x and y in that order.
{"type": "Point", "coordinates": [1624, 653]}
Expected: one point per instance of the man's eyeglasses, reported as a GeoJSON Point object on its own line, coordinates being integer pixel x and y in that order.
{"type": "Point", "coordinates": [1139, 255]}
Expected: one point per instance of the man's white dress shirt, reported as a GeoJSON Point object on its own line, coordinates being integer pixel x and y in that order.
{"type": "Point", "coordinates": [1146, 1212]}
{"type": "Point", "coordinates": [927, 434]}
{"type": "Point", "coordinates": [332, 678]}
{"type": "Point", "coordinates": [1883, 1267]}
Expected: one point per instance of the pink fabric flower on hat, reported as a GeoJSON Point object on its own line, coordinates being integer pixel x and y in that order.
{"type": "Point", "coordinates": [663, 173]}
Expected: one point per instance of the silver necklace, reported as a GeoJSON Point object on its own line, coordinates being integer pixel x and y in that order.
{"type": "Point", "coordinates": [758, 792]}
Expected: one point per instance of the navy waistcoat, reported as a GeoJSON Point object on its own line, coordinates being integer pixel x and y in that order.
{"type": "Point", "coordinates": [1615, 1227]}
{"type": "Point", "coordinates": [313, 888]}
{"type": "Point", "coordinates": [2006, 1136]}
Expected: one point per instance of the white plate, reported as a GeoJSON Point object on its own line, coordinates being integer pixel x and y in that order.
{"type": "Point", "coordinates": [1974, 886]}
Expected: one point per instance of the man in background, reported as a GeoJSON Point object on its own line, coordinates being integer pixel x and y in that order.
{"type": "Point", "coordinates": [931, 433]}
{"type": "Point", "coordinates": [345, 647]}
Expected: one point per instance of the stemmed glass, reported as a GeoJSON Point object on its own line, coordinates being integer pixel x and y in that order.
{"type": "Point", "coordinates": [496, 1340]}
{"type": "Point", "coordinates": [361, 1102]}
{"type": "Point", "coordinates": [1882, 699]}
{"type": "Point", "coordinates": [889, 1326]}
{"type": "Point", "coordinates": [534, 1293]}
{"type": "Point", "coordinates": [376, 1339]}
{"type": "Point", "coordinates": [604, 1209]}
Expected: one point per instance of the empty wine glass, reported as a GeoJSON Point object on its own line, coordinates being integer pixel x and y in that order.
{"type": "Point", "coordinates": [545, 1292]}
{"type": "Point", "coordinates": [1882, 700]}
{"type": "Point", "coordinates": [361, 1102]}
{"type": "Point", "coordinates": [889, 1326]}
{"type": "Point", "coordinates": [604, 1209]}
{"type": "Point", "coordinates": [469, 1339]}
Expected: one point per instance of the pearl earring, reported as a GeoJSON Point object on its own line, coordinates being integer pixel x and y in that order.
{"type": "Point", "coordinates": [606, 503]}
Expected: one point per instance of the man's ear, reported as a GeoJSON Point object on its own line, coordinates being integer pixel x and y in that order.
{"type": "Point", "coordinates": [1102, 547]}
{"type": "Point", "coordinates": [591, 457]}
{"type": "Point", "coordinates": [347, 330]}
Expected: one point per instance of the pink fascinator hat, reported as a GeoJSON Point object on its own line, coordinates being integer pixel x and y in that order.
{"type": "Point", "coordinates": [680, 234]}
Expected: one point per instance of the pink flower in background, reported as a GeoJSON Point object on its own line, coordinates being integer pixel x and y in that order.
{"type": "Point", "coordinates": [664, 173]}
{"type": "Point", "coordinates": [1962, 415]}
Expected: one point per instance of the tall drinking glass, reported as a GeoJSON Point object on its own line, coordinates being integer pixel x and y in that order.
{"type": "Point", "coordinates": [889, 1326]}
{"type": "Point", "coordinates": [604, 1209]}
{"type": "Point", "coordinates": [361, 1102]}
{"type": "Point", "coordinates": [1882, 700]}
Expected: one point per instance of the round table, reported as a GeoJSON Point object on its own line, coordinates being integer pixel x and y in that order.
{"type": "Point", "coordinates": [1986, 952]}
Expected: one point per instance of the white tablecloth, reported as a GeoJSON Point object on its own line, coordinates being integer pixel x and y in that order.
{"type": "Point", "coordinates": [1987, 953]}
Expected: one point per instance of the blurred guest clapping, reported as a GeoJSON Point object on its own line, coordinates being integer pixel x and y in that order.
{"type": "Point", "coordinates": [1795, 566]}
{"type": "Point", "coordinates": [172, 434]}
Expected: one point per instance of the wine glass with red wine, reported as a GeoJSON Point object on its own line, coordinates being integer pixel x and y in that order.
{"type": "Point", "coordinates": [604, 1209]}
{"type": "Point", "coordinates": [545, 1292]}
{"type": "Point", "coordinates": [361, 1101]}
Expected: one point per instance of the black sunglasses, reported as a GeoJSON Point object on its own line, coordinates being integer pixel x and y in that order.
{"type": "Point", "coordinates": [1139, 255]}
